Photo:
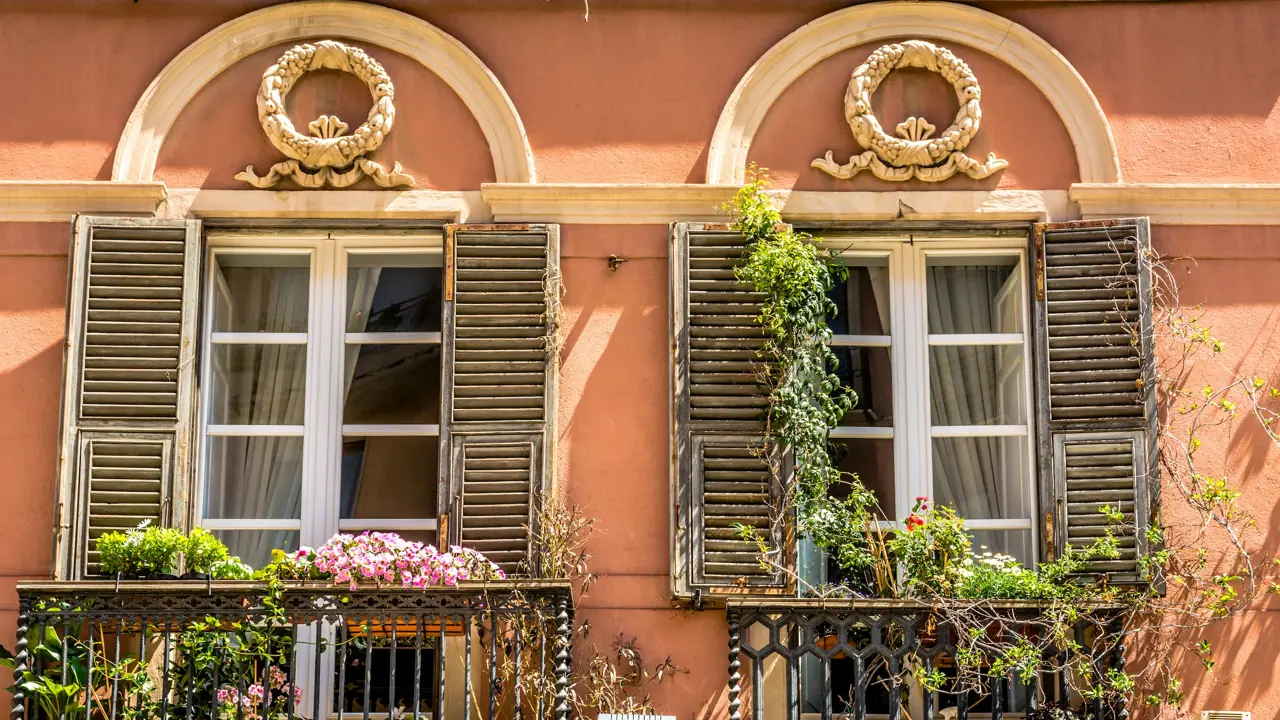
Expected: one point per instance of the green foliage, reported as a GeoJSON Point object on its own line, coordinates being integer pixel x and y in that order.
{"type": "Point", "coordinates": [203, 550]}
{"type": "Point", "coordinates": [806, 399]}
{"type": "Point", "coordinates": [59, 654]}
{"type": "Point", "coordinates": [145, 550]}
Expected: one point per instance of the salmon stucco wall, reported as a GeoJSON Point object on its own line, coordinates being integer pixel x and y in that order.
{"type": "Point", "coordinates": [633, 93]}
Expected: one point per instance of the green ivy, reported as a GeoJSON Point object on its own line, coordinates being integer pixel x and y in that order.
{"type": "Point", "coordinates": [806, 399]}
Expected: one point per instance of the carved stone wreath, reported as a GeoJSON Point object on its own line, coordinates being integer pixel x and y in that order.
{"type": "Point", "coordinates": [328, 156]}
{"type": "Point", "coordinates": [915, 153]}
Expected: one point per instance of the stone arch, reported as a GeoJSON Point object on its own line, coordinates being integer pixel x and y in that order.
{"type": "Point", "coordinates": [1023, 50]}
{"type": "Point", "coordinates": [155, 113]}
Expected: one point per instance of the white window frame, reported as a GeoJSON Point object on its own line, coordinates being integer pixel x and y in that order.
{"type": "Point", "coordinates": [326, 338]}
{"type": "Point", "coordinates": [909, 342]}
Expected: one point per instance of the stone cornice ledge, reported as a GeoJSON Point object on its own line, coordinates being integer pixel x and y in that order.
{"type": "Point", "coordinates": [661, 204]}
{"type": "Point", "coordinates": [1181, 204]}
{"type": "Point", "coordinates": [447, 205]}
{"type": "Point", "coordinates": [58, 200]}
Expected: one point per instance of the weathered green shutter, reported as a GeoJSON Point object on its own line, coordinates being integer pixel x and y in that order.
{"type": "Point", "coordinates": [1097, 404]}
{"type": "Point", "coordinates": [498, 421]}
{"type": "Point", "coordinates": [720, 479]}
{"type": "Point", "coordinates": [128, 381]}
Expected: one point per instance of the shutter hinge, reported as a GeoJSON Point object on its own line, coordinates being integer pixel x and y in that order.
{"type": "Point", "coordinates": [1049, 537]}
{"type": "Point", "coordinates": [442, 531]}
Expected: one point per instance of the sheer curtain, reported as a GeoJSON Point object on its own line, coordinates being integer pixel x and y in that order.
{"type": "Point", "coordinates": [965, 385]}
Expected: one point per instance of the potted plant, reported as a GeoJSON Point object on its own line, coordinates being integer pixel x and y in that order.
{"type": "Point", "coordinates": [207, 557]}
{"type": "Point", "coordinates": [144, 553]}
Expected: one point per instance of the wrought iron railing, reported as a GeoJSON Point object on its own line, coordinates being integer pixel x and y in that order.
{"type": "Point", "coordinates": [237, 651]}
{"type": "Point", "coordinates": [804, 659]}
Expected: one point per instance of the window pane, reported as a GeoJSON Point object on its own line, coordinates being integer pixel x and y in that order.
{"type": "Point", "coordinates": [872, 461]}
{"type": "Point", "coordinates": [974, 295]}
{"type": "Point", "coordinates": [867, 371]}
{"type": "Point", "coordinates": [1004, 542]}
{"type": "Point", "coordinates": [392, 384]}
{"type": "Point", "coordinates": [983, 478]}
{"type": "Point", "coordinates": [254, 478]}
{"type": "Point", "coordinates": [261, 293]}
{"type": "Point", "coordinates": [977, 385]}
{"type": "Point", "coordinates": [389, 477]}
{"type": "Point", "coordinates": [863, 299]}
{"type": "Point", "coordinates": [254, 547]}
{"type": "Point", "coordinates": [258, 384]}
{"type": "Point", "coordinates": [394, 299]}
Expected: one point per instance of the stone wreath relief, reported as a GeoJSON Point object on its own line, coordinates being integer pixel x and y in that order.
{"type": "Point", "coordinates": [915, 152]}
{"type": "Point", "coordinates": [327, 156]}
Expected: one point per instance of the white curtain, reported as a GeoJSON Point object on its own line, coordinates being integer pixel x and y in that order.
{"type": "Point", "coordinates": [262, 476]}
{"type": "Point", "coordinates": [965, 386]}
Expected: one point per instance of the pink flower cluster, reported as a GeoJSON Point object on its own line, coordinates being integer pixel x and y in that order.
{"type": "Point", "coordinates": [387, 558]}
{"type": "Point", "coordinates": [258, 702]}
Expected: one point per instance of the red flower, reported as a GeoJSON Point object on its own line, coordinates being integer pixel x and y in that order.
{"type": "Point", "coordinates": [914, 521]}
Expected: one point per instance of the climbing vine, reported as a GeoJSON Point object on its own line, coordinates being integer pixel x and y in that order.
{"type": "Point", "coordinates": [806, 399]}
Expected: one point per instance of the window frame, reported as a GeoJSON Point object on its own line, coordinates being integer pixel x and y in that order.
{"type": "Point", "coordinates": [909, 341]}
{"type": "Point", "coordinates": [325, 340]}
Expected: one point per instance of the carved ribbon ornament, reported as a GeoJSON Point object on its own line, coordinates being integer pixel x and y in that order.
{"type": "Point", "coordinates": [328, 156]}
{"type": "Point", "coordinates": [915, 152]}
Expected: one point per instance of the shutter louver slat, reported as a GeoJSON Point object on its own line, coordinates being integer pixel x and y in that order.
{"type": "Point", "coordinates": [722, 482]}
{"type": "Point", "coordinates": [1097, 404]}
{"type": "Point", "coordinates": [129, 381]}
{"type": "Point", "coordinates": [500, 384]}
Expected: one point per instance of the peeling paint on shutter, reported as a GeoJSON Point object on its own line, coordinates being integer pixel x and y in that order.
{"type": "Point", "coordinates": [1099, 469]}
{"type": "Point", "coordinates": [500, 381]}
{"type": "Point", "coordinates": [129, 478]}
{"type": "Point", "coordinates": [720, 481]}
{"type": "Point", "coordinates": [1096, 397]}
{"type": "Point", "coordinates": [129, 381]}
{"type": "Point", "coordinates": [499, 476]}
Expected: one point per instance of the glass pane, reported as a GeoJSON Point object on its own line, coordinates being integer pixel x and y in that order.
{"type": "Point", "coordinates": [1004, 542]}
{"type": "Point", "coordinates": [394, 299]}
{"type": "Point", "coordinates": [871, 460]}
{"type": "Point", "coordinates": [389, 477]}
{"type": "Point", "coordinates": [254, 478]}
{"type": "Point", "coordinates": [983, 478]}
{"type": "Point", "coordinates": [258, 385]}
{"type": "Point", "coordinates": [977, 385]}
{"type": "Point", "coordinates": [254, 547]}
{"type": "Point", "coordinates": [863, 299]}
{"type": "Point", "coordinates": [261, 293]}
{"type": "Point", "coordinates": [867, 371]}
{"type": "Point", "coordinates": [974, 295]}
{"type": "Point", "coordinates": [392, 384]}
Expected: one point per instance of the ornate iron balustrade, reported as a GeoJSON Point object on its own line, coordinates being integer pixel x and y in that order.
{"type": "Point", "coordinates": [232, 651]}
{"type": "Point", "coordinates": [822, 658]}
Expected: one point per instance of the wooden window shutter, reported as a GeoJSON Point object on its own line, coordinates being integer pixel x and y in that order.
{"type": "Point", "coordinates": [720, 480]}
{"type": "Point", "coordinates": [1096, 394]}
{"type": "Point", "coordinates": [127, 399]}
{"type": "Point", "coordinates": [502, 297]}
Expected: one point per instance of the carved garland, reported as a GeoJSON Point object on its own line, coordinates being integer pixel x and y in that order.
{"type": "Point", "coordinates": [328, 156]}
{"type": "Point", "coordinates": [915, 153]}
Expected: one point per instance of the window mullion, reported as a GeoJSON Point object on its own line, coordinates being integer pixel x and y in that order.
{"type": "Point", "coordinates": [322, 443]}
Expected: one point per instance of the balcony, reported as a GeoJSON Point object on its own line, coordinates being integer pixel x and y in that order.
{"type": "Point", "coordinates": [811, 659]}
{"type": "Point", "coordinates": [236, 651]}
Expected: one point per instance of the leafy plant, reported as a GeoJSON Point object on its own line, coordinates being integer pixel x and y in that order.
{"type": "Point", "coordinates": [58, 654]}
{"type": "Point", "coordinates": [145, 550]}
{"type": "Point", "coordinates": [203, 551]}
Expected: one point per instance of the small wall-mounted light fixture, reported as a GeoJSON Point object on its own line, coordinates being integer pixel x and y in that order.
{"type": "Point", "coordinates": [615, 262]}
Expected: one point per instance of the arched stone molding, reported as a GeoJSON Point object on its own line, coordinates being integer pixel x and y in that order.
{"type": "Point", "coordinates": [222, 47]}
{"type": "Point", "coordinates": [1019, 47]}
